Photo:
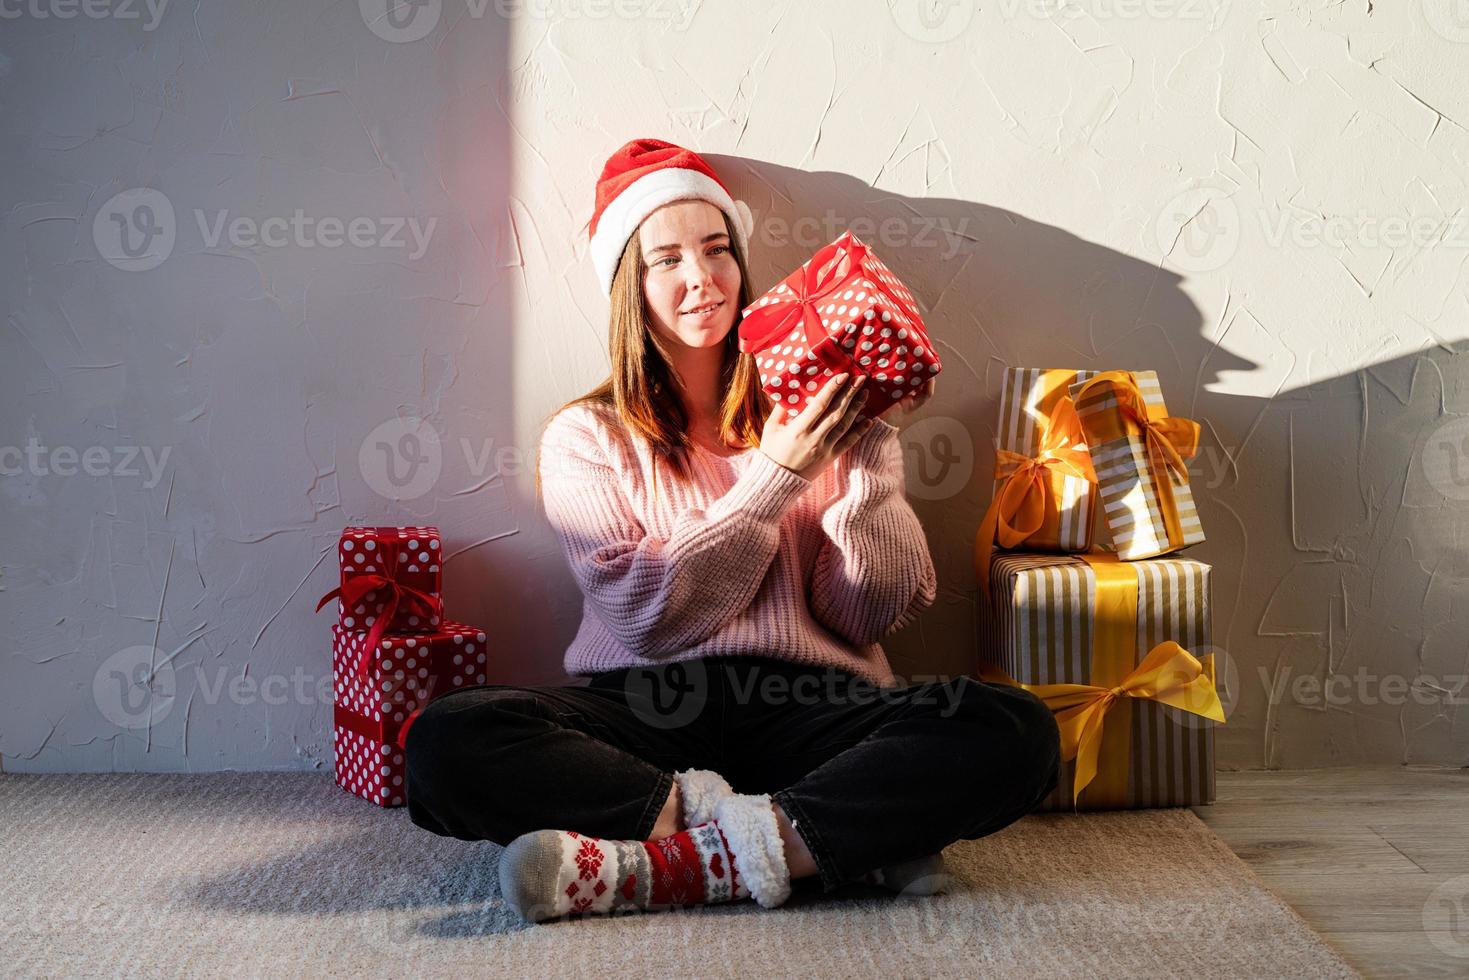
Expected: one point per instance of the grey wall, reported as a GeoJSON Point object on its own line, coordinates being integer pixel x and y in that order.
{"type": "Point", "coordinates": [1262, 201]}
{"type": "Point", "coordinates": [328, 263]}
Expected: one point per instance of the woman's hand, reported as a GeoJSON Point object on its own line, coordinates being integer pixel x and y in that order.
{"type": "Point", "coordinates": [809, 440]}
{"type": "Point", "coordinates": [911, 403]}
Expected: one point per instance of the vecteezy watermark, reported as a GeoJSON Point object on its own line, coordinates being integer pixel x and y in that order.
{"type": "Point", "coordinates": [137, 230]}
{"type": "Point", "coordinates": [1445, 457]}
{"type": "Point", "coordinates": [668, 696]}
{"type": "Point", "coordinates": [1227, 687]}
{"type": "Point", "coordinates": [148, 11]}
{"type": "Point", "coordinates": [674, 695]}
{"type": "Point", "coordinates": [938, 453]}
{"type": "Point", "coordinates": [135, 687]}
{"type": "Point", "coordinates": [401, 459]}
{"type": "Point", "coordinates": [37, 459]}
{"type": "Point", "coordinates": [139, 687]}
{"type": "Point", "coordinates": [1209, 467]}
{"type": "Point", "coordinates": [1366, 230]}
{"type": "Point", "coordinates": [400, 21]}
{"type": "Point", "coordinates": [1109, 10]}
{"type": "Point", "coordinates": [1198, 230]}
{"type": "Point", "coordinates": [1362, 687]}
{"type": "Point", "coordinates": [944, 929]}
{"type": "Point", "coordinates": [1448, 18]}
{"type": "Point", "coordinates": [404, 458]}
{"type": "Point", "coordinates": [808, 233]}
{"type": "Point", "coordinates": [304, 231]}
{"type": "Point", "coordinates": [932, 21]}
{"type": "Point", "coordinates": [1446, 917]}
{"type": "Point", "coordinates": [403, 21]}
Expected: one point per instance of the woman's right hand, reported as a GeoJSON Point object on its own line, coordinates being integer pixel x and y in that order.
{"type": "Point", "coordinates": [809, 441]}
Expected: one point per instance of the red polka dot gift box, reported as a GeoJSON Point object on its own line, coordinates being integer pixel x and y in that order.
{"type": "Point", "coordinates": [377, 691]}
{"type": "Point", "coordinates": [391, 580]}
{"type": "Point", "coordinates": [843, 311]}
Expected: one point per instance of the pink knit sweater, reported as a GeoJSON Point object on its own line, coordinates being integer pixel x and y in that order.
{"type": "Point", "coordinates": [752, 558]}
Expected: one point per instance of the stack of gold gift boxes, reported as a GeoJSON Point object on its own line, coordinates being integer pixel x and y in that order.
{"type": "Point", "coordinates": [1113, 636]}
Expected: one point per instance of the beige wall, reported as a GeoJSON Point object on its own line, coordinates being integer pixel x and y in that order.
{"type": "Point", "coordinates": [1262, 201]}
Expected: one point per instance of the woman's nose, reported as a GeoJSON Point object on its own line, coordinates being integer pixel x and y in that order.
{"type": "Point", "coordinates": [700, 273]}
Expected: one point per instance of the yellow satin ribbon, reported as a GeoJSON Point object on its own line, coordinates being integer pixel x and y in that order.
{"type": "Point", "coordinates": [1169, 441]}
{"type": "Point", "coordinates": [1019, 506]}
{"type": "Point", "coordinates": [1168, 674]}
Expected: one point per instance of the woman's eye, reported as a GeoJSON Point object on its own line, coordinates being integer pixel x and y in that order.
{"type": "Point", "coordinates": [668, 259]}
{"type": "Point", "coordinates": [720, 249]}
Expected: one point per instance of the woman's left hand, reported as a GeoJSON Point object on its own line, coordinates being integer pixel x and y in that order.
{"type": "Point", "coordinates": [910, 403]}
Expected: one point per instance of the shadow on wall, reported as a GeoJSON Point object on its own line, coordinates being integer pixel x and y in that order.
{"type": "Point", "coordinates": [1333, 506]}
{"type": "Point", "coordinates": [268, 246]}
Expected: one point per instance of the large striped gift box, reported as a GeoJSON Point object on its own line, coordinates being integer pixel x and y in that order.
{"type": "Point", "coordinates": [1093, 620]}
{"type": "Point", "coordinates": [1139, 455]}
{"type": "Point", "coordinates": [1029, 399]}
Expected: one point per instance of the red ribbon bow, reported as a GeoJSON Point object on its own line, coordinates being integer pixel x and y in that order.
{"type": "Point", "coordinates": [828, 271]}
{"type": "Point", "coordinates": [354, 591]}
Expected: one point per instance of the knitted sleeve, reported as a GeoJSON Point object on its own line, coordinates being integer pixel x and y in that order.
{"type": "Point", "coordinates": [874, 573]}
{"type": "Point", "coordinates": [659, 595]}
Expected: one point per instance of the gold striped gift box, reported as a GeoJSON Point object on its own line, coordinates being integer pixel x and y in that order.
{"type": "Point", "coordinates": [1029, 398]}
{"type": "Point", "coordinates": [1139, 454]}
{"type": "Point", "coordinates": [1091, 620]}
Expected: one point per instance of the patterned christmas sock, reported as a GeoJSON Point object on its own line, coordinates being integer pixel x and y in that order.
{"type": "Point", "coordinates": [549, 873]}
{"type": "Point", "coordinates": [700, 790]}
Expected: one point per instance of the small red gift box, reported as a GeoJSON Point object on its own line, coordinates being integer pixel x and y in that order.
{"type": "Point", "coordinates": [377, 691]}
{"type": "Point", "coordinates": [843, 310]}
{"type": "Point", "coordinates": [391, 580]}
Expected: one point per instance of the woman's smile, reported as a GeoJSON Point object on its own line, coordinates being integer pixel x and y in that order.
{"type": "Point", "coordinates": [703, 313]}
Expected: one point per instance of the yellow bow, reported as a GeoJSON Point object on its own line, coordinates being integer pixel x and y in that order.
{"type": "Point", "coordinates": [1168, 674]}
{"type": "Point", "coordinates": [1169, 440]}
{"type": "Point", "coordinates": [1019, 506]}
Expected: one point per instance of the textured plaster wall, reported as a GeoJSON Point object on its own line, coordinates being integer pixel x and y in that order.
{"type": "Point", "coordinates": [1263, 201]}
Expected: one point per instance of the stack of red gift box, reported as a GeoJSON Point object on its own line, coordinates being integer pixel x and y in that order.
{"type": "Point", "coordinates": [393, 651]}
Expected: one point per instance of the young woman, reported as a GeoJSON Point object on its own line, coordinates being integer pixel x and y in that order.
{"type": "Point", "coordinates": [739, 564]}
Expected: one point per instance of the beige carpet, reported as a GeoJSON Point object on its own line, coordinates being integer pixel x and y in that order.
{"type": "Point", "coordinates": [249, 874]}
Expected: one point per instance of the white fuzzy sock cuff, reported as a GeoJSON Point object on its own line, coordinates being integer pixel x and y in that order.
{"type": "Point", "coordinates": [699, 790]}
{"type": "Point", "coordinates": [749, 825]}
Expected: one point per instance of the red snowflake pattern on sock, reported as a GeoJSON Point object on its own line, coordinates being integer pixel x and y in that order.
{"type": "Point", "coordinates": [589, 859]}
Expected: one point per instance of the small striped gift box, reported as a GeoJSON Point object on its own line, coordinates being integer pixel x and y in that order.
{"type": "Point", "coordinates": [1091, 620]}
{"type": "Point", "coordinates": [1029, 398]}
{"type": "Point", "coordinates": [1139, 454]}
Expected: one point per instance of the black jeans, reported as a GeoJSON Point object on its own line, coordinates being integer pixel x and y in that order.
{"type": "Point", "coordinates": [868, 776]}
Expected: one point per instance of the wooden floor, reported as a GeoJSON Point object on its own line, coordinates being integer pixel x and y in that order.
{"type": "Point", "coordinates": [1376, 860]}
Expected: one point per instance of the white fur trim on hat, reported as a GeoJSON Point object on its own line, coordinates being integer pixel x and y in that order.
{"type": "Point", "coordinates": [699, 790]}
{"type": "Point", "coordinates": [648, 193]}
{"type": "Point", "coordinates": [749, 825]}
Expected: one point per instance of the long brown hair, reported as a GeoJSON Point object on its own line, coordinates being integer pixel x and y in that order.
{"type": "Point", "coordinates": [641, 389]}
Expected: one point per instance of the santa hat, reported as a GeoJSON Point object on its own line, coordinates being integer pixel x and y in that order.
{"type": "Point", "coordinates": [640, 178]}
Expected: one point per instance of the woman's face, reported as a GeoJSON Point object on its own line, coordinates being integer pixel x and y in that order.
{"type": "Point", "coordinates": [692, 283]}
